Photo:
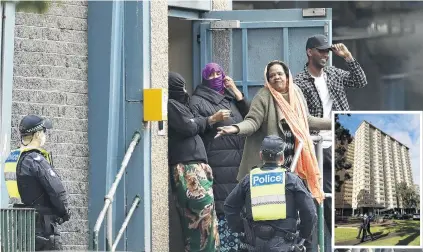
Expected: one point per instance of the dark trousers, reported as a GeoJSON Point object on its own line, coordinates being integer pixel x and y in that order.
{"type": "Point", "coordinates": [327, 186]}
{"type": "Point", "coordinates": [359, 231]}
{"type": "Point", "coordinates": [275, 244]}
{"type": "Point", "coordinates": [313, 243]}
{"type": "Point", "coordinates": [327, 204]}
{"type": "Point", "coordinates": [47, 235]}
{"type": "Point", "coordinates": [366, 231]}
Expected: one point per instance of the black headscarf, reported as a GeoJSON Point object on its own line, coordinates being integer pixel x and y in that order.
{"type": "Point", "coordinates": [177, 90]}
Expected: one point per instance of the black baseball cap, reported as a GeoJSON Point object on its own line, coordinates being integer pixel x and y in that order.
{"type": "Point", "coordinates": [272, 145]}
{"type": "Point", "coordinates": [318, 41]}
{"type": "Point", "coordinates": [32, 123]}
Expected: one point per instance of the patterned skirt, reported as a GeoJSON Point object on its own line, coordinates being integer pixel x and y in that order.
{"type": "Point", "coordinates": [229, 241]}
{"type": "Point", "coordinates": [195, 203]}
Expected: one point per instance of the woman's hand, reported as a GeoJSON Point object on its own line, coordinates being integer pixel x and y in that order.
{"type": "Point", "coordinates": [230, 84]}
{"type": "Point", "coordinates": [219, 116]}
{"type": "Point", "coordinates": [226, 130]}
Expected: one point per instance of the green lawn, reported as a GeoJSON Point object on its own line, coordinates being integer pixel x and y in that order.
{"type": "Point", "coordinates": [408, 233]}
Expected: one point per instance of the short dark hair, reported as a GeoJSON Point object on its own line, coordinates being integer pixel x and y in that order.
{"type": "Point", "coordinates": [271, 158]}
{"type": "Point", "coordinates": [272, 148]}
{"type": "Point", "coordinates": [285, 68]}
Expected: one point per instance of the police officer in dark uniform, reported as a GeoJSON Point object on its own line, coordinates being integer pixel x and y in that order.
{"type": "Point", "coordinates": [366, 229]}
{"type": "Point", "coordinates": [37, 183]}
{"type": "Point", "coordinates": [272, 197]}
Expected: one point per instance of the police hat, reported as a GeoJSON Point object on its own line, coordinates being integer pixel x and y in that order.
{"type": "Point", "coordinates": [32, 123]}
{"type": "Point", "coordinates": [272, 145]}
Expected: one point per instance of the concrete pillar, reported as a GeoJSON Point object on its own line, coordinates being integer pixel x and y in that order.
{"type": "Point", "coordinates": [222, 39]}
{"type": "Point", "coordinates": [159, 163]}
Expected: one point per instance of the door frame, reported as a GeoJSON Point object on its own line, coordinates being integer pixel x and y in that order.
{"type": "Point", "coordinates": [7, 50]}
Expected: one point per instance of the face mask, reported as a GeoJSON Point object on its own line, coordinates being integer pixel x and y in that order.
{"type": "Point", "coordinates": [180, 96]}
{"type": "Point", "coordinates": [217, 84]}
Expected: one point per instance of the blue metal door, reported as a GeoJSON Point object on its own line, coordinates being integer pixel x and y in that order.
{"type": "Point", "coordinates": [262, 36]}
{"type": "Point", "coordinates": [118, 71]}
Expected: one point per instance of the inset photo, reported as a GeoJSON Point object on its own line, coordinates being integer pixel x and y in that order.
{"type": "Point", "coordinates": [377, 182]}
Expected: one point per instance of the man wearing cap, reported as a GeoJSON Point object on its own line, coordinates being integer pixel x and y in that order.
{"type": "Point", "coordinates": [272, 197]}
{"type": "Point", "coordinates": [31, 179]}
{"type": "Point", "coordinates": [324, 90]}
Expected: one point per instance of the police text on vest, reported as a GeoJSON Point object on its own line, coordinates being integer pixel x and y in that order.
{"type": "Point", "coordinates": [268, 178]}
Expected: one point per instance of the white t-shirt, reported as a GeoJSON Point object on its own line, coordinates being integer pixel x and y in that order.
{"type": "Point", "coordinates": [327, 101]}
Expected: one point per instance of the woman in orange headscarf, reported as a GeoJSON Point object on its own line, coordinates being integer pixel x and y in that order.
{"type": "Point", "coordinates": [279, 108]}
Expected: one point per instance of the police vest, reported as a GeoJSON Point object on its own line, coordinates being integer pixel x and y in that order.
{"type": "Point", "coordinates": [268, 194]}
{"type": "Point", "coordinates": [10, 172]}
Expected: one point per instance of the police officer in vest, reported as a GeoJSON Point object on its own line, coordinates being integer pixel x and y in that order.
{"type": "Point", "coordinates": [272, 197]}
{"type": "Point", "coordinates": [31, 179]}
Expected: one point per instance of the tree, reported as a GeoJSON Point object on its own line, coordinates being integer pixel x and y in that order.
{"type": "Point", "coordinates": [408, 195]}
{"type": "Point", "coordinates": [342, 139]}
{"type": "Point", "coordinates": [39, 7]}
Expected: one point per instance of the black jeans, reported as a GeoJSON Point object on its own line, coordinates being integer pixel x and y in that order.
{"type": "Point", "coordinates": [327, 186]}
{"type": "Point", "coordinates": [327, 204]}
{"type": "Point", "coordinates": [312, 244]}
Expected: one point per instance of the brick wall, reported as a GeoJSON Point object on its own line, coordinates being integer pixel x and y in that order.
{"type": "Point", "coordinates": [50, 79]}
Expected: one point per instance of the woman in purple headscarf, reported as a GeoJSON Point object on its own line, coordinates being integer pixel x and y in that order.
{"type": "Point", "coordinates": [218, 92]}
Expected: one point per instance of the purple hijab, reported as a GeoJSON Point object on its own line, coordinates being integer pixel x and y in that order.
{"type": "Point", "coordinates": [216, 84]}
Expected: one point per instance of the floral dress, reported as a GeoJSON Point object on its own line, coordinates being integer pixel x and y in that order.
{"type": "Point", "coordinates": [195, 203]}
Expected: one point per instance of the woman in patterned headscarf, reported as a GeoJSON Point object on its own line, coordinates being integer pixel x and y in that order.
{"type": "Point", "coordinates": [192, 177]}
{"type": "Point", "coordinates": [218, 92]}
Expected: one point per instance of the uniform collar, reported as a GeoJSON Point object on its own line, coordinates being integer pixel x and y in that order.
{"type": "Point", "coordinates": [271, 166]}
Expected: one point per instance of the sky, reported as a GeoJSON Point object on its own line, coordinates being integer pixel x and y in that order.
{"type": "Point", "coordinates": [403, 127]}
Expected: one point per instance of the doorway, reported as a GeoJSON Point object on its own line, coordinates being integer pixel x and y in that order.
{"type": "Point", "coordinates": [180, 49]}
{"type": "Point", "coordinates": [180, 61]}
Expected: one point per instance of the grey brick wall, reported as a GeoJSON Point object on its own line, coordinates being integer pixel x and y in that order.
{"type": "Point", "coordinates": [50, 79]}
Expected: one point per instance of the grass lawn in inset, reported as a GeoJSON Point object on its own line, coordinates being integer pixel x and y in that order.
{"type": "Point", "coordinates": [407, 232]}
